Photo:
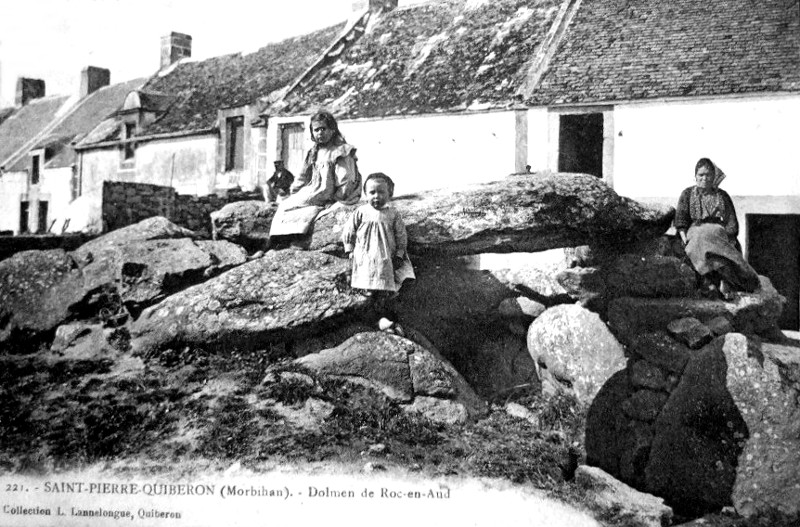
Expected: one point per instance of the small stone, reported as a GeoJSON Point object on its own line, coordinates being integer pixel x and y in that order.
{"type": "Point", "coordinates": [691, 332]}
{"type": "Point", "coordinates": [661, 350]}
{"type": "Point", "coordinates": [607, 492]}
{"type": "Point", "coordinates": [374, 467]}
{"type": "Point", "coordinates": [519, 411]}
{"type": "Point", "coordinates": [378, 448]}
{"type": "Point", "coordinates": [520, 307]}
{"type": "Point", "coordinates": [720, 326]}
{"type": "Point", "coordinates": [644, 374]}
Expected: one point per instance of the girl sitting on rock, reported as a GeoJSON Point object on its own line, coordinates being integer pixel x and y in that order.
{"type": "Point", "coordinates": [375, 238]}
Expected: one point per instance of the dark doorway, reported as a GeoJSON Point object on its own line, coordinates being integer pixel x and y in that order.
{"type": "Point", "coordinates": [42, 227]}
{"type": "Point", "coordinates": [580, 143]}
{"type": "Point", "coordinates": [773, 249]}
{"type": "Point", "coordinates": [24, 209]}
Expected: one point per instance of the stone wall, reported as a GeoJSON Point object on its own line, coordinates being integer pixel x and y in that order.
{"type": "Point", "coordinates": [128, 203]}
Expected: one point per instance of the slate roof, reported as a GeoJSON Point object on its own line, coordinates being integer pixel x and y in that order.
{"type": "Point", "coordinates": [447, 55]}
{"type": "Point", "coordinates": [198, 89]}
{"type": "Point", "coordinates": [84, 117]}
{"type": "Point", "coordinates": [26, 123]}
{"type": "Point", "coordinates": [624, 49]}
{"type": "Point", "coordinates": [5, 113]}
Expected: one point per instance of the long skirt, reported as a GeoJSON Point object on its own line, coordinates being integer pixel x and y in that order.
{"type": "Point", "coordinates": [710, 249]}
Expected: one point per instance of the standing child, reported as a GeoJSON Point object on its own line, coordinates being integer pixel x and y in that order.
{"type": "Point", "coordinates": [375, 238]}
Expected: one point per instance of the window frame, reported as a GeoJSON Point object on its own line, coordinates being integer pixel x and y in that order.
{"type": "Point", "coordinates": [36, 167]}
{"type": "Point", "coordinates": [127, 151]}
{"type": "Point", "coordinates": [234, 143]}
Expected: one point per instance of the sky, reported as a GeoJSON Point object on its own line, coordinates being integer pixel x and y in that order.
{"type": "Point", "coordinates": [54, 40]}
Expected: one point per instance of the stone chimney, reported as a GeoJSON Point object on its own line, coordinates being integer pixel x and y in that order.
{"type": "Point", "coordinates": [28, 89]}
{"type": "Point", "coordinates": [92, 79]}
{"type": "Point", "coordinates": [374, 5]}
{"type": "Point", "coordinates": [174, 47]}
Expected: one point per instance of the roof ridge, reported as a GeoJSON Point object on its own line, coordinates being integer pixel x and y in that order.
{"type": "Point", "coordinates": [29, 144]}
{"type": "Point", "coordinates": [541, 60]}
{"type": "Point", "coordinates": [19, 153]}
{"type": "Point", "coordinates": [341, 40]}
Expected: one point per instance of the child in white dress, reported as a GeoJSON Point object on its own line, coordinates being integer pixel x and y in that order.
{"type": "Point", "coordinates": [375, 238]}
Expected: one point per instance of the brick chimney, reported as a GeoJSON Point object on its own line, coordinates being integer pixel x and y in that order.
{"type": "Point", "coordinates": [28, 89]}
{"type": "Point", "coordinates": [374, 5]}
{"type": "Point", "coordinates": [93, 78]}
{"type": "Point", "coordinates": [174, 47]}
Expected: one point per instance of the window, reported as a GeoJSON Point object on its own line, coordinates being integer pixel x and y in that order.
{"type": "Point", "coordinates": [75, 184]}
{"type": "Point", "coordinates": [130, 147]}
{"type": "Point", "coordinates": [42, 226]}
{"type": "Point", "coordinates": [35, 168]}
{"type": "Point", "coordinates": [24, 207]}
{"type": "Point", "coordinates": [234, 155]}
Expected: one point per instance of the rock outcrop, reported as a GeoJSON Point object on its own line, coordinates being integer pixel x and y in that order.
{"type": "Point", "coordinates": [606, 492]}
{"type": "Point", "coordinates": [405, 372]}
{"type": "Point", "coordinates": [148, 271]}
{"type": "Point", "coordinates": [456, 307]}
{"type": "Point", "coordinates": [37, 291]}
{"type": "Point", "coordinates": [267, 300]}
{"type": "Point", "coordinates": [155, 228]}
{"type": "Point", "coordinates": [749, 313]}
{"type": "Point", "coordinates": [576, 348]}
{"type": "Point", "coordinates": [703, 428]}
{"type": "Point", "coordinates": [519, 214]}
{"type": "Point", "coordinates": [135, 266]}
{"type": "Point", "coordinates": [244, 223]}
{"type": "Point", "coordinates": [766, 392]}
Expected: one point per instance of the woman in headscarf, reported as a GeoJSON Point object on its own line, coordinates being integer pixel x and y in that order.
{"type": "Point", "coordinates": [329, 175]}
{"type": "Point", "coordinates": [707, 224]}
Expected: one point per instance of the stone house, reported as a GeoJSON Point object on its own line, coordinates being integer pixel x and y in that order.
{"type": "Point", "coordinates": [191, 125]}
{"type": "Point", "coordinates": [21, 124]}
{"type": "Point", "coordinates": [40, 187]}
{"type": "Point", "coordinates": [653, 86]}
{"type": "Point", "coordinates": [448, 92]}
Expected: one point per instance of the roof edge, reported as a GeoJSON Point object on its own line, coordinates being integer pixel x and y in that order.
{"type": "Point", "coordinates": [541, 59]}
{"type": "Point", "coordinates": [145, 138]}
{"type": "Point", "coordinates": [356, 27]}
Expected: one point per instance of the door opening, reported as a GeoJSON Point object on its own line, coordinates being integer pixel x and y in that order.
{"type": "Point", "coordinates": [580, 143]}
{"type": "Point", "coordinates": [773, 249]}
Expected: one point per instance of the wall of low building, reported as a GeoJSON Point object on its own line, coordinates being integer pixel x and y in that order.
{"type": "Point", "coordinates": [187, 164]}
{"type": "Point", "coordinates": [56, 189]}
{"type": "Point", "coordinates": [432, 151]}
{"type": "Point", "coordinates": [538, 139]}
{"type": "Point", "coordinates": [12, 186]}
{"type": "Point", "coordinates": [752, 139]}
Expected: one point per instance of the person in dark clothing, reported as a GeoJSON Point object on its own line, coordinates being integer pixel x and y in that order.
{"type": "Point", "coordinates": [706, 221]}
{"type": "Point", "coordinates": [279, 183]}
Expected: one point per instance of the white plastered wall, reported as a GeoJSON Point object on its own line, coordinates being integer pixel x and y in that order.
{"type": "Point", "coordinates": [436, 151]}
{"type": "Point", "coordinates": [428, 151]}
{"type": "Point", "coordinates": [753, 140]}
{"type": "Point", "coordinates": [12, 186]}
{"type": "Point", "coordinates": [56, 188]}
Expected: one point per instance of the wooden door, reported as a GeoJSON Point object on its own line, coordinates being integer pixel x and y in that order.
{"type": "Point", "coordinates": [293, 146]}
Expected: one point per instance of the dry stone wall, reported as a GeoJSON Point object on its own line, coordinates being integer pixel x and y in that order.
{"type": "Point", "coordinates": [128, 203]}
